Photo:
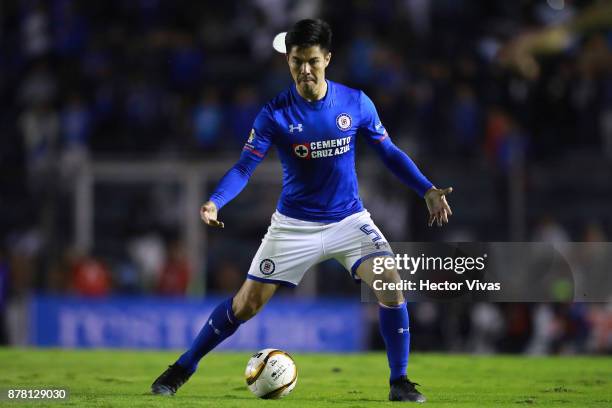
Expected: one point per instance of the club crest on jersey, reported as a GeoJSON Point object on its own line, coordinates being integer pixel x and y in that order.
{"type": "Point", "coordinates": [267, 266]}
{"type": "Point", "coordinates": [297, 127]}
{"type": "Point", "coordinates": [343, 121]}
{"type": "Point", "coordinates": [251, 136]}
{"type": "Point", "coordinates": [301, 150]}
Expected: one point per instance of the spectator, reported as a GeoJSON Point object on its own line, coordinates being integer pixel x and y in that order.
{"type": "Point", "coordinates": [39, 129]}
{"type": "Point", "coordinates": [186, 64]}
{"type": "Point", "coordinates": [207, 121]}
{"type": "Point", "coordinates": [75, 132]}
{"type": "Point", "coordinates": [175, 274]}
{"type": "Point", "coordinates": [466, 121]}
{"type": "Point", "coordinates": [90, 277]}
{"type": "Point", "coordinates": [35, 30]}
{"type": "Point", "coordinates": [242, 114]}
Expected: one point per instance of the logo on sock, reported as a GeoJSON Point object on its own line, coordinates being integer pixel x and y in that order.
{"type": "Point", "coordinates": [402, 330]}
{"type": "Point", "coordinates": [217, 331]}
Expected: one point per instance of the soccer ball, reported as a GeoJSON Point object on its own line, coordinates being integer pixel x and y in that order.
{"type": "Point", "coordinates": [271, 374]}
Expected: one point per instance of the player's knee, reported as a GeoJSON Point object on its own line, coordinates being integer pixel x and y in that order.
{"type": "Point", "coordinates": [390, 297]}
{"type": "Point", "coordinates": [246, 306]}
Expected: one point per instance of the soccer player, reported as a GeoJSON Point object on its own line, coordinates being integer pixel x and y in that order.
{"type": "Point", "coordinates": [319, 216]}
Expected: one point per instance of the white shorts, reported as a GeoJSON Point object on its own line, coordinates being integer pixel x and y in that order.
{"type": "Point", "coordinates": [292, 246]}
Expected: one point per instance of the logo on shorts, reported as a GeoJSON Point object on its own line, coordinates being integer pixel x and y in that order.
{"type": "Point", "coordinates": [343, 121]}
{"type": "Point", "coordinates": [267, 266]}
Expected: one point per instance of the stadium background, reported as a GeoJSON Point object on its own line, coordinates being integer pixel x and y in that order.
{"type": "Point", "coordinates": [118, 117]}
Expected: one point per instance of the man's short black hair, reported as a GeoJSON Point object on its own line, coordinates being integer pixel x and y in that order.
{"type": "Point", "coordinates": [308, 33]}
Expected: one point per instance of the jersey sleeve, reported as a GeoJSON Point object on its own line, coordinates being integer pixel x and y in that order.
{"type": "Point", "coordinates": [260, 137]}
{"type": "Point", "coordinates": [394, 158]}
{"type": "Point", "coordinates": [370, 125]}
{"type": "Point", "coordinates": [255, 148]}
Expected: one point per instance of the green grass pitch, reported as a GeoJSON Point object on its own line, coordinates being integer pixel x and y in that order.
{"type": "Point", "coordinates": [121, 379]}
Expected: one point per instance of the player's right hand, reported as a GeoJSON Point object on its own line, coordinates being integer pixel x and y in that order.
{"type": "Point", "coordinates": [208, 213]}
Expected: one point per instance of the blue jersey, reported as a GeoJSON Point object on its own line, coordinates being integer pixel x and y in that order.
{"type": "Point", "coordinates": [316, 145]}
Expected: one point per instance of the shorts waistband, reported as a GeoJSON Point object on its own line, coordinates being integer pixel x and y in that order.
{"type": "Point", "coordinates": [279, 217]}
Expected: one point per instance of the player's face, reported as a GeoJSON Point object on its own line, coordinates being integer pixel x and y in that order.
{"type": "Point", "coordinates": [307, 66]}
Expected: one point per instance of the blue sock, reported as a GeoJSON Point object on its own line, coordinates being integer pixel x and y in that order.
{"type": "Point", "coordinates": [220, 325]}
{"type": "Point", "coordinates": [395, 331]}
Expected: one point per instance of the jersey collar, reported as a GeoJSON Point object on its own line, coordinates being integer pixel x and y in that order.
{"type": "Point", "coordinates": [316, 105]}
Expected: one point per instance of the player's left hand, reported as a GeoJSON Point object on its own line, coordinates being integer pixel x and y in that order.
{"type": "Point", "coordinates": [439, 210]}
{"type": "Point", "coordinates": [208, 213]}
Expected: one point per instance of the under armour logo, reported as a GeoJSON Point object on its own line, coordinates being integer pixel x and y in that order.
{"type": "Point", "coordinates": [402, 331]}
{"type": "Point", "coordinates": [217, 331]}
{"type": "Point", "coordinates": [297, 127]}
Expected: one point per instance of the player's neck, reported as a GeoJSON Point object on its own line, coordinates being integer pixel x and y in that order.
{"type": "Point", "coordinates": [317, 94]}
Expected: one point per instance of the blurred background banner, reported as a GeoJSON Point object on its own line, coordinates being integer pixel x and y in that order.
{"type": "Point", "coordinates": [153, 323]}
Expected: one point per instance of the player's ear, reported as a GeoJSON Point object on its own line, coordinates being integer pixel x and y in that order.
{"type": "Point", "coordinates": [327, 59]}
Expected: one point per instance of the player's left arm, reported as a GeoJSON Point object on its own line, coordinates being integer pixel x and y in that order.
{"type": "Point", "coordinates": [402, 165]}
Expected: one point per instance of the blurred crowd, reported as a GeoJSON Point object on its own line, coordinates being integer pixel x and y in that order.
{"type": "Point", "coordinates": [529, 328]}
{"type": "Point", "coordinates": [184, 79]}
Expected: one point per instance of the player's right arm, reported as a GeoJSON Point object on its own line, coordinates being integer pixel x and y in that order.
{"type": "Point", "coordinates": [234, 181]}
